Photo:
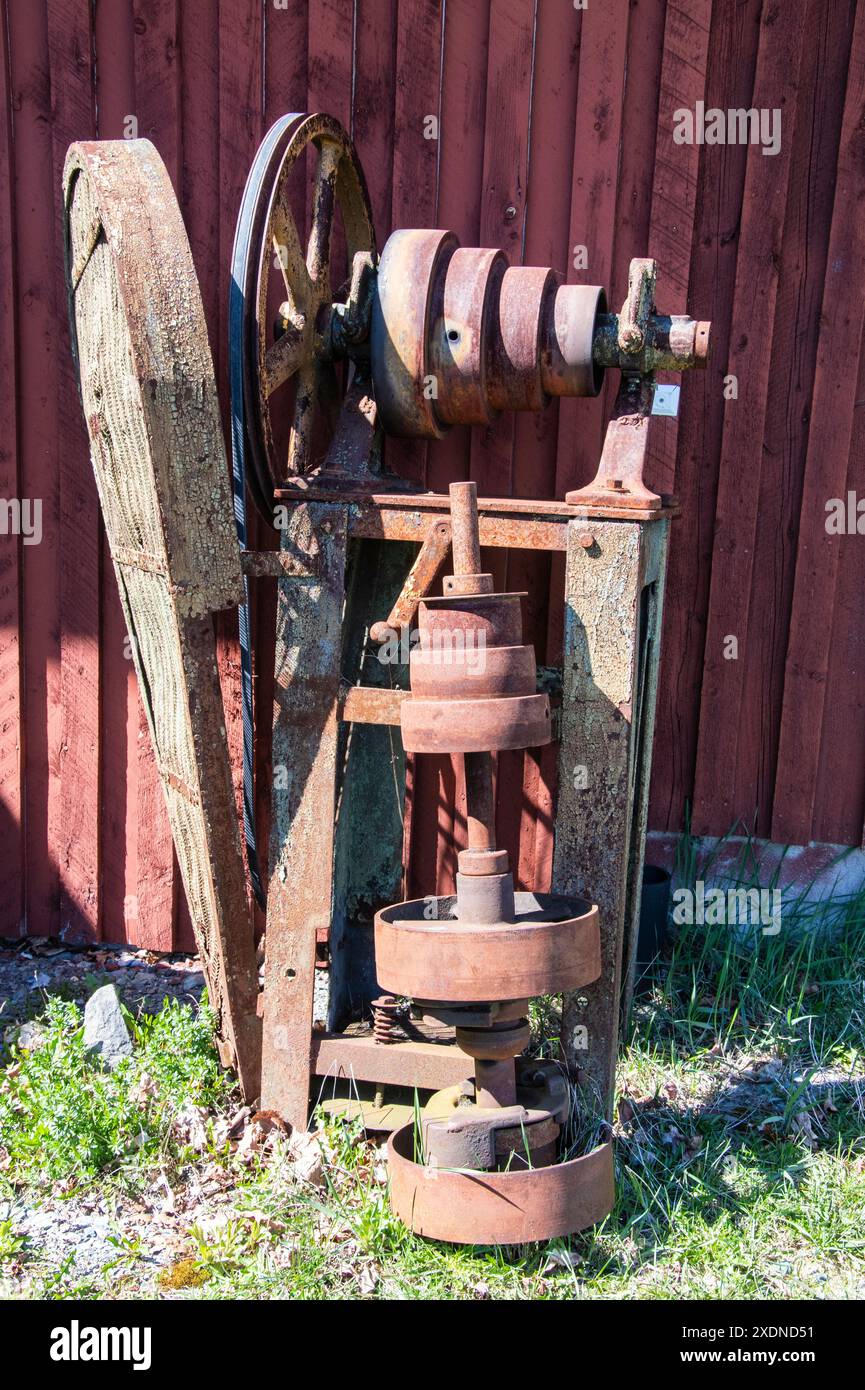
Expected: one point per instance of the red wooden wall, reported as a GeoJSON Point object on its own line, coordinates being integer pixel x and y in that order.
{"type": "Point", "coordinates": [566, 116]}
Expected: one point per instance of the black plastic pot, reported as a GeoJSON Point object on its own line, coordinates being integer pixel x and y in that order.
{"type": "Point", "coordinates": [654, 910]}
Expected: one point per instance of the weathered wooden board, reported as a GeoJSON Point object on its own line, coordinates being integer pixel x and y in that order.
{"type": "Point", "coordinates": [305, 748]}
{"type": "Point", "coordinates": [157, 118]}
{"type": "Point", "coordinates": [765, 279]}
{"type": "Point", "coordinates": [38, 301]}
{"type": "Point", "coordinates": [613, 607]}
{"type": "Point", "coordinates": [810, 726]}
{"type": "Point", "coordinates": [600, 123]}
{"type": "Point", "coordinates": [120, 706]}
{"type": "Point", "coordinates": [525, 799]}
{"type": "Point", "coordinates": [69, 32]}
{"type": "Point", "coordinates": [685, 50]}
{"type": "Point", "coordinates": [149, 398]}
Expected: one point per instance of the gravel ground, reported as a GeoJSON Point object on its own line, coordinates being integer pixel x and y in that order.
{"type": "Point", "coordinates": [144, 980]}
{"type": "Point", "coordinates": [98, 1239]}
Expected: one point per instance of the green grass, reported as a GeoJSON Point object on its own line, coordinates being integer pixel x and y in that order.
{"type": "Point", "coordinates": [740, 1164]}
{"type": "Point", "coordinates": [63, 1118]}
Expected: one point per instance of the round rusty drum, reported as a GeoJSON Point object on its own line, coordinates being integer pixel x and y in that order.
{"type": "Point", "coordinates": [474, 671]}
{"type": "Point", "coordinates": [460, 338]}
{"type": "Point", "coordinates": [475, 726]}
{"type": "Point", "coordinates": [489, 1208]}
{"type": "Point", "coordinates": [553, 944]}
{"type": "Point", "coordinates": [569, 368]}
{"type": "Point", "coordinates": [409, 301]}
{"type": "Point", "coordinates": [514, 378]}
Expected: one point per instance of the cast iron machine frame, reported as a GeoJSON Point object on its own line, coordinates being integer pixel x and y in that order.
{"type": "Point", "coordinates": [428, 335]}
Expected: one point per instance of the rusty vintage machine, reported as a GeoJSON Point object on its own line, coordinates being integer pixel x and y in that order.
{"type": "Point", "coordinates": [331, 347]}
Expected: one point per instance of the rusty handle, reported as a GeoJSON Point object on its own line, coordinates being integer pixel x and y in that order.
{"type": "Point", "coordinates": [428, 562]}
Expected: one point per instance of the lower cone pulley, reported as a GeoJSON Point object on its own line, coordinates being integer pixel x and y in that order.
{"type": "Point", "coordinates": [489, 1161]}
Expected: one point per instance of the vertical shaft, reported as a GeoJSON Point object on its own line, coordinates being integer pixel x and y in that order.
{"type": "Point", "coordinates": [480, 803]}
{"type": "Point", "coordinates": [464, 526]}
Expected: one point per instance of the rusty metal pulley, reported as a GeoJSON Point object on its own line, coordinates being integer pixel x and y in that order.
{"type": "Point", "coordinates": [550, 944]}
{"type": "Point", "coordinates": [459, 335]}
{"type": "Point", "coordinates": [435, 334]}
{"type": "Point", "coordinates": [473, 681]}
{"type": "Point", "coordinates": [319, 319]}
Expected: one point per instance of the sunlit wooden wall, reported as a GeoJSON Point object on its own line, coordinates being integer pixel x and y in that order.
{"type": "Point", "coordinates": [555, 129]}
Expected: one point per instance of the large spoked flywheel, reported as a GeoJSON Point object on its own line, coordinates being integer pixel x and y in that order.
{"type": "Point", "coordinates": [314, 270]}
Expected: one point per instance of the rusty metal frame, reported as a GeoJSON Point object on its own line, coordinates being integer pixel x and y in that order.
{"type": "Point", "coordinates": [615, 566]}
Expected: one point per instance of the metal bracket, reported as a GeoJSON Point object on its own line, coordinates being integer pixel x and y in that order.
{"type": "Point", "coordinates": [619, 478]}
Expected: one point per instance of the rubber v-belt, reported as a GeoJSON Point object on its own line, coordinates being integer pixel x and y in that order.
{"type": "Point", "coordinates": [243, 340]}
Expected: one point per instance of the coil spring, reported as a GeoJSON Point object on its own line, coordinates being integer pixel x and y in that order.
{"type": "Point", "coordinates": [386, 1015]}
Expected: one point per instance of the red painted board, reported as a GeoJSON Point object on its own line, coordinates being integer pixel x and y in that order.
{"type": "Point", "coordinates": [732, 56]}
{"type": "Point", "coordinates": [11, 714]}
{"type": "Point", "coordinates": [158, 114]}
{"type": "Point", "coordinates": [119, 708]}
{"type": "Point", "coordinates": [77, 845]}
{"type": "Point", "coordinates": [37, 301]}
{"type": "Point", "coordinates": [835, 399]}
{"type": "Point", "coordinates": [814, 131]}
{"type": "Point", "coordinates": [761, 302]}
{"type": "Point", "coordinates": [594, 198]}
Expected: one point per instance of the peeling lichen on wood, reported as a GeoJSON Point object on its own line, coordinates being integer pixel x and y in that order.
{"type": "Point", "coordinates": [611, 654]}
{"type": "Point", "coordinates": [305, 741]}
{"type": "Point", "coordinates": [149, 398]}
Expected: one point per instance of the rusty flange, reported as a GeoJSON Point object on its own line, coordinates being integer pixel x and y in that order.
{"type": "Point", "coordinates": [508, 1208]}
{"type": "Point", "coordinates": [461, 337]}
{"type": "Point", "coordinates": [423, 952]}
{"type": "Point", "coordinates": [455, 674]}
{"type": "Point", "coordinates": [475, 726]}
{"type": "Point", "coordinates": [515, 373]}
{"type": "Point", "coordinates": [408, 303]}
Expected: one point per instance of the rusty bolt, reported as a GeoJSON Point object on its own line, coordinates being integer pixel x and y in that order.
{"type": "Point", "coordinates": [631, 339]}
{"type": "Point", "coordinates": [615, 484]}
{"type": "Point", "coordinates": [586, 539]}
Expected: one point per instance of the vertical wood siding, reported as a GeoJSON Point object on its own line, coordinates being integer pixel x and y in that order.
{"type": "Point", "coordinates": [555, 130]}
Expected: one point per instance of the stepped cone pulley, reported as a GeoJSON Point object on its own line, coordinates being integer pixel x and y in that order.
{"type": "Point", "coordinates": [473, 960]}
